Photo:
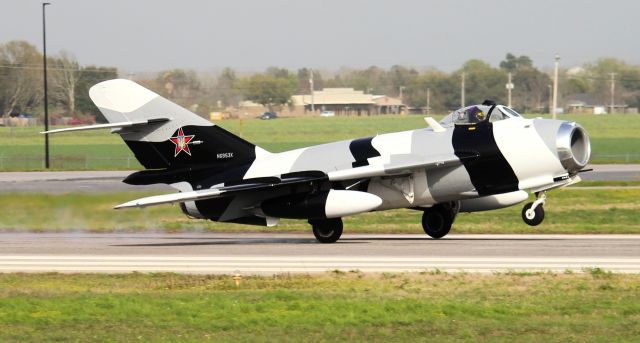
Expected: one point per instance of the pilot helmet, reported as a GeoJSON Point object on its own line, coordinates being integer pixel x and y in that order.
{"type": "Point", "coordinates": [475, 112]}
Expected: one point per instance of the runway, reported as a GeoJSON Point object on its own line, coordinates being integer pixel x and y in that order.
{"type": "Point", "coordinates": [269, 253]}
{"type": "Point", "coordinates": [111, 181]}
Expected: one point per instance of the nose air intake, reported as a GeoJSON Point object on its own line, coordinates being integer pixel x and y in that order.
{"type": "Point", "coordinates": [574, 147]}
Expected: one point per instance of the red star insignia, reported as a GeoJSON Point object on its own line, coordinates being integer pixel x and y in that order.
{"type": "Point", "coordinates": [182, 142]}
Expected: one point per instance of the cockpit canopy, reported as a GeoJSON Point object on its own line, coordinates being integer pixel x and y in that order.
{"type": "Point", "coordinates": [478, 113]}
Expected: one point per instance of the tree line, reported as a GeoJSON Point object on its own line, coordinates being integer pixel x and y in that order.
{"type": "Point", "coordinates": [21, 81]}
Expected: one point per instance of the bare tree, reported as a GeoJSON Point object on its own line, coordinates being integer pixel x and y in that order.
{"type": "Point", "coordinates": [64, 80]}
{"type": "Point", "coordinates": [20, 89]}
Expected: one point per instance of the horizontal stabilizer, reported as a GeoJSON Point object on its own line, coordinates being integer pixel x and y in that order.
{"type": "Point", "coordinates": [172, 198]}
{"type": "Point", "coordinates": [110, 125]}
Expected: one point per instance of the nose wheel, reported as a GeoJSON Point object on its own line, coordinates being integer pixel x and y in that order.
{"type": "Point", "coordinates": [533, 212]}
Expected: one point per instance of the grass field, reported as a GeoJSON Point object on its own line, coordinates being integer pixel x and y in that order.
{"type": "Point", "coordinates": [592, 307]}
{"type": "Point", "coordinates": [614, 138]}
{"type": "Point", "coordinates": [572, 210]}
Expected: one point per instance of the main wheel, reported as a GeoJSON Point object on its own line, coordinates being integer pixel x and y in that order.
{"type": "Point", "coordinates": [437, 221]}
{"type": "Point", "coordinates": [532, 217]}
{"type": "Point", "coordinates": [327, 230]}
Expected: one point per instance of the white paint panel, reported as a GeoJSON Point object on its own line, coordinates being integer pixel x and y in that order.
{"type": "Point", "coordinates": [120, 95]}
{"type": "Point", "coordinates": [493, 202]}
{"type": "Point", "coordinates": [391, 144]}
{"type": "Point", "coordinates": [343, 203]}
{"type": "Point", "coordinates": [526, 152]}
{"type": "Point", "coordinates": [273, 164]}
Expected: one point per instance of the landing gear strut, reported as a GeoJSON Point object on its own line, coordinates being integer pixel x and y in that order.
{"type": "Point", "coordinates": [533, 212]}
{"type": "Point", "coordinates": [437, 220]}
{"type": "Point", "coordinates": [327, 230]}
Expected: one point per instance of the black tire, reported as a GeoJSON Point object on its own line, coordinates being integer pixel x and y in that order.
{"type": "Point", "coordinates": [538, 214]}
{"type": "Point", "coordinates": [437, 221]}
{"type": "Point", "coordinates": [327, 230]}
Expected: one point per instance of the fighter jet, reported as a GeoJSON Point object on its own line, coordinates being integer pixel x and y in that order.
{"type": "Point", "coordinates": [478, 158]}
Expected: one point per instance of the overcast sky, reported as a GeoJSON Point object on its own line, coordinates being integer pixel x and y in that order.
{"type": "Point", "coordinates": [146, 35]}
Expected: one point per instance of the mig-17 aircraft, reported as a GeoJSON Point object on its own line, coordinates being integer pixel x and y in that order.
{"type": "Point", "coordinates": [478, 158]}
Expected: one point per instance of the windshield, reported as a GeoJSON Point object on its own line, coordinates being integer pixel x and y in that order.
{"type": "Point", "coordinates": [476, 113]}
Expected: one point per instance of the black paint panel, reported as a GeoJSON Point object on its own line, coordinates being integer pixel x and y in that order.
{"type": "Point", "coordinates": [490, 172]}
{"type": "Point", "coordinates": [215, 141]}
{"type": "Point", "coordinates": [213, 208]}
{"type": "Point", "coordinates": [362, 149]}
{"type": "Point", "coordinates": [210, 161]}
{"type": "Point", "coordinates": [304, 206]}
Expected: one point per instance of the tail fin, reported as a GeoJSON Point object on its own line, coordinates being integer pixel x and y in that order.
{"type": "Point", "coordinates": [165, 135]}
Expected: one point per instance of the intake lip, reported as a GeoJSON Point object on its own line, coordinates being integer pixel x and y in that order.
{"type": "Point", "coordinates": [574, 147]}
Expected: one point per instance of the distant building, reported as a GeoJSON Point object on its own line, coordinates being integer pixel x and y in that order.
{"type": "Point", "coordinates": [388, 105]}
{"type": "Point", "coordinates": [347, 101]}
{"type": "Point", "coordinates": [585, 103]}
{"type": "Point", "coordinates": [342, 101]}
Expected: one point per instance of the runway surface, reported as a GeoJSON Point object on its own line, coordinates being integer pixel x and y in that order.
{"type": "Point", "coordinates": [269, 253]}
{"type": "Point", "coordinates": [111, 181]}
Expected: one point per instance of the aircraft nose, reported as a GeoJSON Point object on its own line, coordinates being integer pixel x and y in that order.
{"type": "Point", "coordinates": [573, 146]}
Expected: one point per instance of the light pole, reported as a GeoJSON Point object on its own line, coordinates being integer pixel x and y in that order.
{"type": "Point", "coordinates": [462, 100]}
{"type": "Point", "coordinates": [509, 87]}
{"type": "Point", "coordinates": [550, 97]}
{"type": "Point", "coordinates": [46, 102]}
{"type": "Point", "coordinates": [555, 88]}
{"type": "Point", "coordinates": [311, 89]}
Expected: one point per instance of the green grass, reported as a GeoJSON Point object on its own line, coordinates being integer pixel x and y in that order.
{"type": "Point", "coordinates": [573, 210]}
{"type": "Point", "coordinates": [431, 306]}
{"type": "Point", "coordinates": [614, 138]}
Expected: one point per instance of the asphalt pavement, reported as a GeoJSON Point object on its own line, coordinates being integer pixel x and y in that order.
{"type": "Point", "coordinates": [271, 253]}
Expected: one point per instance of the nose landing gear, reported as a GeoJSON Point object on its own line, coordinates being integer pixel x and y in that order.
{"type": "Point", "coordinates": [533, 212]}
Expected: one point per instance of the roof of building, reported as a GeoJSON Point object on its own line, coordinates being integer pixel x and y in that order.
{"type": "Point", "coordinates": [335, 96]}
{"type": "Point", "coordinates": [383, 100]}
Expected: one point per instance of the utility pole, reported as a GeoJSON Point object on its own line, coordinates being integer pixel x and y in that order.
{"type": "Point", "coordinates": [401, 88]}
{"type": "Point", "coordinates": [550, 97]}
{"type": "Point", "coordinates": [462, 90]}
{"type": "Point", "coordinates": [428, 101]}
{"type": "Point", "coordinates": [613, 90]}
{"type": "Point", "coordinates": [46, 103]}
{"type": "Point", "coordinates": [555, 88]}
{"type": "Point", "coordinates": [509, 86]}
{"type": "Point", "coordinates": [313, 106]}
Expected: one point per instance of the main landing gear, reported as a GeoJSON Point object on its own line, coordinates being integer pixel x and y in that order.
{"type": "Point", "coordinates": [533, 212]}
{"type": "Point", "coordinates": [327, 230]}
{"type": "Point", "coordinates": [437, 220]}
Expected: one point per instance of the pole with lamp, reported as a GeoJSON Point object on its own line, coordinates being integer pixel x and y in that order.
{"type": "Point", "coordinates": [555, 88]}
{"type": "Point", "coordinates": [46, 102]}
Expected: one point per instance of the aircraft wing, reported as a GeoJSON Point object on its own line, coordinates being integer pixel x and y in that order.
{"type": "Point", "coordinates": [399, 164]}
{"type": "Point", "coordinates": [256, 184]}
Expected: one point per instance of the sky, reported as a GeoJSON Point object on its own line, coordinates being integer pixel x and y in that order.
{"type": "Point", "coordinates": [250, 35]}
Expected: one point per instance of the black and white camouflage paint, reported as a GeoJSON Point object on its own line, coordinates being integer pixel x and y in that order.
{"type": "Point", "coordinates": [479, 166]}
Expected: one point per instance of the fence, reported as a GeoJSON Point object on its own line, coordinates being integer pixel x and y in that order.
{"type": "Point", "coordinates": [86, 162]}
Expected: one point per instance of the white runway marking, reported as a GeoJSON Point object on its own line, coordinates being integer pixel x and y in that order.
{"type": "Point", "coordinates": [249, 265]}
